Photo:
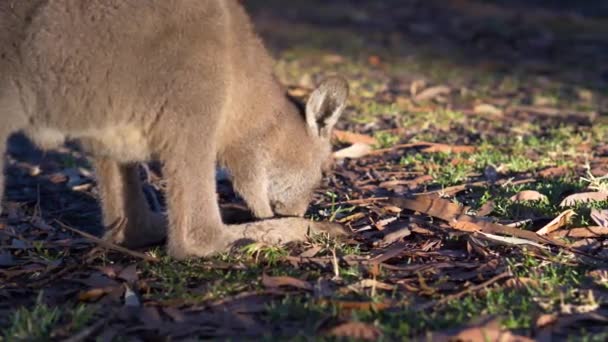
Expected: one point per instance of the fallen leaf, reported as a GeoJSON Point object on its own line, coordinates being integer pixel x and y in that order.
{"type": "Point", "coordinates": [6, 259]}
{"type": "Point", "coordinates": [353, 138]}
{"type": "Point", "coordinates": [600, 217]}
{"type": "Point", "coordinates": [443, 148]}
{"type": "Point", "coordinates": [433, 206]}
{"type": "Point", "coordinates": [583, 197]}
{"type": "Point", "coordinates": [451, 212]}
{"type": "Point", "coordinates": [356, 150]}
{"type": "Point", "coordinates": [373, 283]}
{"type": "Point", "coordinates": [560, 221]}
{"type": "Point", "coordinates": [582, 232]}
{"type": "Point", "coordinates": [486, 209]}
{"type": "Point", "coordinates": [489, 329]}
{"type": "Point", "coordinates": [279, 281]}
{"type": "Point", "coordinates": [465, 226]}
{"type": "Point", "coordinates": [488, 109]}
{"type": "Point", "coordinates": [512, 240]}
{"type": "Point", "coordinates": [545, 319]}
{"type": "Point", "coordinates": [129, 274]}
{"type": "Point", "coordinates": [415, 86]}
{"type": "Point", "coordinates": [92, 295]}
{"type": "Point", "coordinates": [552, 172]}
{"type": "Point", "coordinates": [528, 195]}
{"type": "Point", "coordinates": [333, 58]}
{"type": "Point", "coordinates": [395, 232]}
{"type": "Point", "coordinates": [431, 93]}
{"type": "Point", "coordinates": [411, 183]}
{"type": "Point", "coordinates": [356, 306]}
{"type": "Point", "coordinates": [353, 217]}
{"type": "Point", "coordinates": [374, 60]}
{"type": "Point", "coordinates": [520, 282]}
{"type": "Point", "coordinates": [356, 330]}
{"type": "Point", "coordinates": [381, 224]}
{"type": "Point", "coordinates": [131, 299]}
{"type": "Point", "coordinates": [311, 252]}
{"type": "Point", "coordinates": [391, 209]}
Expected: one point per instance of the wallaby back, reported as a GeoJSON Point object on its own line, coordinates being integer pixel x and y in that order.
{"type": "Point", "coordinates": [185, 82]}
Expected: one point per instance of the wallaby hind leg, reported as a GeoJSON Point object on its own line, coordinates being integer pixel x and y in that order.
{"type": "Point", "coordinates": [122, 198]}
{"type": "Point", "coordinates": [4, 133]}
{"type": "Point", "coordinates": [11, 120]}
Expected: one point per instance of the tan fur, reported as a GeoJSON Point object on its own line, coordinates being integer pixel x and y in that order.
{"type": "Point", "coordinates": [185, 82]}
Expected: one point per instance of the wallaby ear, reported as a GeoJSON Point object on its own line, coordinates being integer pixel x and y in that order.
{"type": "Point", "coordinates": [325, 105]}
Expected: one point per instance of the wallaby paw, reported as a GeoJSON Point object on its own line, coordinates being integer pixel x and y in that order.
{"type": "Point", "coordinates": [272, 231]}
{"type": "Point", "coordinates": [282, 230]}
{"type": "Point", "coordinates": [331, 228]}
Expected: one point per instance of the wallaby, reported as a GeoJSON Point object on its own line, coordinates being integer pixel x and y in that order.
{"type": "Point", "coordinates": [185, 82]}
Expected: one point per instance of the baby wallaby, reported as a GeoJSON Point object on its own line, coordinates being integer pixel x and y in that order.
{"type": "Point", "coordinates": [186, 82]}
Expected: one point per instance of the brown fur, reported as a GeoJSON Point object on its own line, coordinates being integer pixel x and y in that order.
{"type": "Point", "coordinates": [184, 82]}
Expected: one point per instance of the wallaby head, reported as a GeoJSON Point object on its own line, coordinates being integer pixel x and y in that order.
{"type": "Point", "coordinates": [290, 190]}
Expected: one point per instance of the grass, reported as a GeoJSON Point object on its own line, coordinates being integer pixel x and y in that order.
{"type": "Point", "coordinates": [512, 146]}
{"type": "Point", "coordinates": [41, 322]}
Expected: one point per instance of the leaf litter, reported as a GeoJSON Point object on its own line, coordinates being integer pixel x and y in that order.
{"type": "Point", "coordinates": [414, 188]}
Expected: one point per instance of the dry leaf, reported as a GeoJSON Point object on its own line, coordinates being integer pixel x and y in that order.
{"type": "Point", "coordinates": [346, 305]}
{"type": "Point", "coordinates": [560, 221]}
{"type": "Point", "coordinates": [512, 240]}
{"type": "Point", "coordinates": [488, 330]}
{"type": "Point", "coordinates": [487, 109]}
{"type": "Point", "coordinates": [356, 330]}
{"type": "Point", "coordinates": [600, 217]}
{"type": "Point", "coordinates": [131, 299]}
{"type": "Point", "coordinates": [6, 259]}
{"type": "Point", "coordinates": [129, 274]}
{"type": "Point", "coordinates": [333, 59]}
{"type": "Point", "coordinates": [443, 148]}
{"type": "Point", "coordinates": [311, 252]}
{"type": "Point", "coordinates": [353, 138]}
{"type": "Point", "coordinates": [92, 294]}
{"type": "Point", "coordinates": [520, 282]}
{"type": "Point", "coordinates": [583, 197]}
{"type": "Point", "coordinates": [353, 217]}
{"type": "Point", "coordinates": [373, 283]}
{"type": "Point", "coordinates": [486, 208]}
{"type": "Point", "coordinates": [374, 60]}
{"type": "Point", "coordinates": [276, 282]}
{"type": "Point", "coordinates": [431, 93]}
{"type": "Point", "coordinates": [545, 319]}
{"type": "Point", "coordinates": [528, 195]}
{"type": "Point", "coordinates": [583, 232]}
{"type": "Point", "coordinates": [553, 172]}
{"type": "Point", "coordinates": [356, 150]}
{"type": "Point", "coordinates": [395, 232]}
{"type": "Point", "coordinates": [465, 226]}
{"type": "Point", "coordinates": [416, 85]}
{"type": "Point", "coordinates": [451, 212]}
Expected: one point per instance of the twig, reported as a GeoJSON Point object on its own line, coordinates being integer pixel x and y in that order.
{"type": "Point", "coordinates": [87, 332]}
{"type": "Point", "coordinates": [506, 274]}
{"type": "Point", "coordinates": [108, 244]}
{"type": "Point", "coordinates": [358, 201]}
{"type": "Point", "coordinates": [462, 187]}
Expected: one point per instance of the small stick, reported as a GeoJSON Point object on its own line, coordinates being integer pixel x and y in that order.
{"type": "Point", "coordinates": [108, 244]}
{"type": "Point", "coordinates": [87, 332]}
{"type": "Point", "coordinates": [506, 274]}
{"type": "Point", "coordinates": [358, 201]}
